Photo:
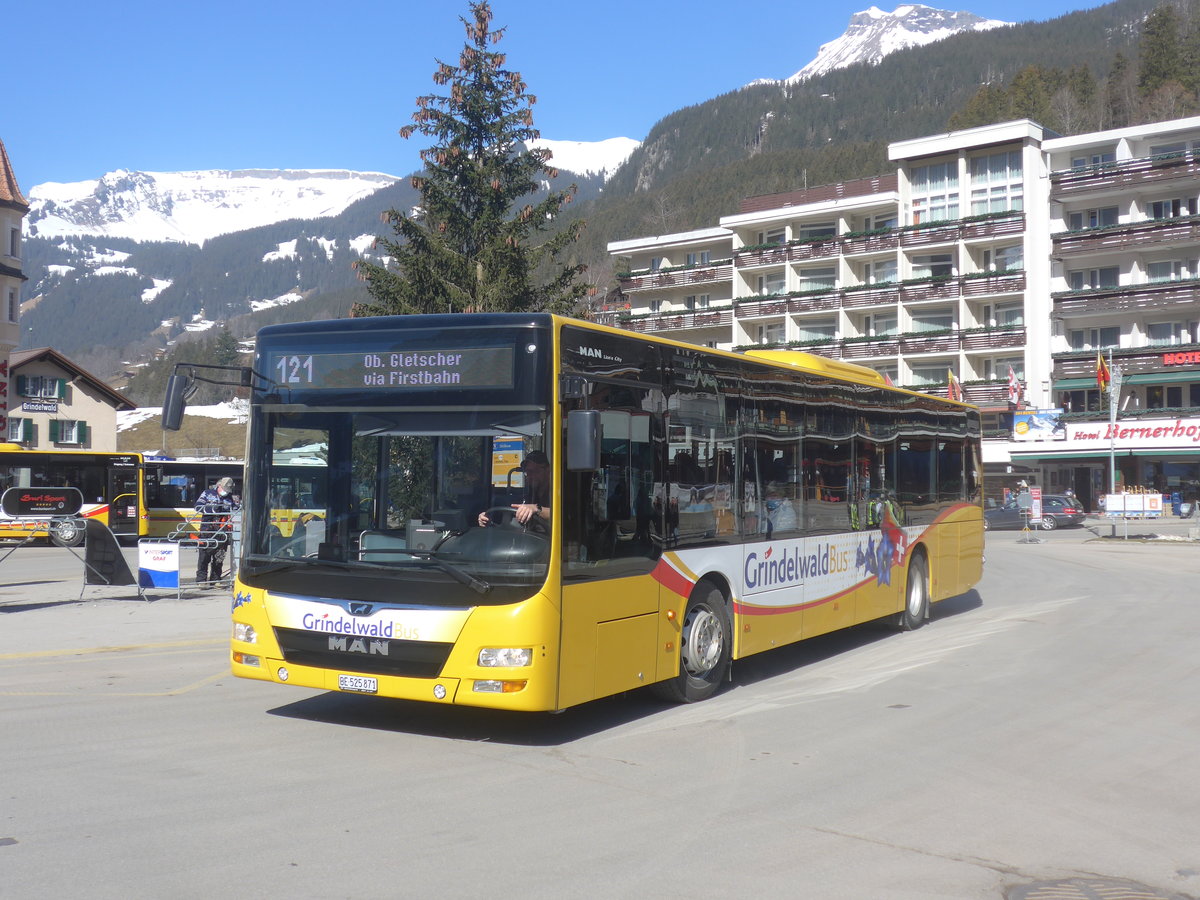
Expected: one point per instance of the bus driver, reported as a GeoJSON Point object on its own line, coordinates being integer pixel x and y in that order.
{"type": "Point", "coordinates": [536, 468]}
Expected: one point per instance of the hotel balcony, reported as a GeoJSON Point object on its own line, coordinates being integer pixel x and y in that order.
{"type": "Point", "coordinates": [671, 321]}
{"type": "Point", "coordinates": [989, 226]}
{"type": "Point", "coordinates": [1127, 173]}
{"type": "Point", "coordinates": [1077, 368]}
{"type": "Point", "coordinates": [682, 276]}
{"type": "Point", "coordinates": [972, 340]}
{"type": "Point", "coordinates": [865, 296]}
{"type": "Point", "coordinates": [1155, 233]}
{"type": "Point", "coordinates": [1181, 296]}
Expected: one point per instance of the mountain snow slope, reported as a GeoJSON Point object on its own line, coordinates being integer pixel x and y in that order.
{"type": "Point", "coordinates": [873, 34]}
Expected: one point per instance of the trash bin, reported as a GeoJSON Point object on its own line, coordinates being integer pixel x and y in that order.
{"type": "Point", "coordinates": [1176, 503]}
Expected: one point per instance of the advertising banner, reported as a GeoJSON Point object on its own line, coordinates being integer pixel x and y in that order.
{"type": "Point", "coordinates": [1038, 425]}
{"type": "Point", "coordinates": [158, 564]}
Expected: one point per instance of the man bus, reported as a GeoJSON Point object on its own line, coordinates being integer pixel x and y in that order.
{"type": "Point", "coordinates": [658, 562]}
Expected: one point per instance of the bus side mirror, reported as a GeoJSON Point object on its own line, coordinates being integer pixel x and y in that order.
{"type": "Point", "coordinates": [174, 402]}
{"type": "Point", "coordinates": [583, 440]}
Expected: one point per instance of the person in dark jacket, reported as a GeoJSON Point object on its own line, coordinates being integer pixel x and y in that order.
{"type": "Point", "coordinates": [536, 504]}
{"type": "Point", "coordinates": [215, 505]}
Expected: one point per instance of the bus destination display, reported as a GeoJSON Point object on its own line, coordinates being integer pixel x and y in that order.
{"type": "Point", "coordinates": [475, 367]}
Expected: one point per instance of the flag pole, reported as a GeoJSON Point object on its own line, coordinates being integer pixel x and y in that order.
{"type": "Point", "coordinates": [1114, 388]}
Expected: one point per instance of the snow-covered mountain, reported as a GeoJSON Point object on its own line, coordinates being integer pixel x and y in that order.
{"type": "Point", "coordinates": [192, 207]}
{"type": "Point", "coordinates": [873, 34]}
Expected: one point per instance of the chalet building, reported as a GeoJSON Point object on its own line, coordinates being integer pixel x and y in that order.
{"type": "Point", "coordinates": [56, 405]}
{"type": "Point", "coordinates": [13, 208]}
{"type": "Point", "coordinates": [1006, 256]}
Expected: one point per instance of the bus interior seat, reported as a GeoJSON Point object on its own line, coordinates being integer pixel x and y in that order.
{"type": "Point", "coordinates": [381, 546]}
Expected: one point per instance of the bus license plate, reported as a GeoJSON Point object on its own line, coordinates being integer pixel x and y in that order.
{"type": "Point", "coordinates": [358, 683]}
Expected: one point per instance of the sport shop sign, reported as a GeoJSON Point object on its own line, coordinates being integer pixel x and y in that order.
{"type": "Point", "coordinates": [1132, 434]}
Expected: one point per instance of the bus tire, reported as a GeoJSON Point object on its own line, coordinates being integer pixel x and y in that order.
{"type": "Point", "coordinates": [916, 594]}
{"type": "Point", "coordinates": [67, 533]}
{"type": "Point", "coordinates": [705, 648]}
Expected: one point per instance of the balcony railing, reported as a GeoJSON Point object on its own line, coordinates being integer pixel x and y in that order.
{"type": "Point", "coordinates": [1128, 298]}
{"type": "Point", "coordinates": [1124, 174]}
{"type": "Point", "coordinates": [672, 321]}
{"type": "Point", "coordinates": [677, 277]}
{"type": "Point", "coordinates": [1155, 232]}
{"type": "Point", "coordinates": [912, 343]}
{"type": "Point", "coordinates": [1130, 360]}
{"type": "Point", "coordinates": [991, 225]}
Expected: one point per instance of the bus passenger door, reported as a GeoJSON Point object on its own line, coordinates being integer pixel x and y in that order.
{"type": "Point", "coordinates": [612, 538]}
{"type": "Point", "coordinates": [123, 502]}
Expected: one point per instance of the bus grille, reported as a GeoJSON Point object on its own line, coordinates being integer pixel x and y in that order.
{"type": "Point", "coordinates": [415, 659]}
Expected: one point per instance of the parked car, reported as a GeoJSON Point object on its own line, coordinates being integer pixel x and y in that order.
{"type": "Point", "coordinates": [1057, 512]}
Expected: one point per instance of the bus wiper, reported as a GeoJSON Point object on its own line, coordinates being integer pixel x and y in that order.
{"type": "Point", "coordinates": [462, 576]}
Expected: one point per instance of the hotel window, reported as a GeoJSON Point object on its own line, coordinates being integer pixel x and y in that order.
{"type": "Point", "coordinates": [1169, 151]}
{"type": "Point", "coordinates": [817, 232]}
{"type": "Point", "coordinates": [67, 431]}
{"type": "Point", "coordinates": [1087, 279]}
{"type": "Point", "coordinates": [1004, 259]}
{"type": "Point", "coordinates": [1094, 338]}
{"type": "Point", "coordinates": [701, 258]}
{"type": "Point", "coordinates": [1093, 218]}
{"type": "Point", "coordinates": [771, 334]}
{"type": "Point", "coordinates": [1166, 270]}
{"type": "Point", "coordinates": [656, 306]}
{"type": "Point", "coordinates": [1009, 315]}
{"type": "Point", "coordinates": [817, 329]}
{"type": "Point", "coordinates": [892, 373]}
{"type": "Point", "coordinates": [880, 222]}
{"type": "Point", "coordinates": [997, 369]}
{"type": "Point", "coordinates": [996, 183]}
{"type": "Point", "coordinates": [1160, 334]}
{"type": "Point", "coordinates": [932, 320]}
{"type": "Point", "coordinates": [880, 324]}
{"type": "Point", "coordinates": [882, 271]}
{"type": "Point", "coordinates": [1096, 159]}
{"type": "Point", "coordinates": [772, 283]}
{"type": "Point", "coordinates": [1194, 394]}
{"type": "Point", "coordinates": [818, 279]}
{"type": "Point", "coordinates": [1080, 401]}
{"type": "Point", "coordinates": [696, 301]}
{"type": "Point", "coordinates": [774, 236]}
{"type": "Point", "coordinates": [929, 374]}
{"type": "Point", "coordinates": [935, 265]}
{"type": "Point", "coordinates": [655, 263]}
{"type": "Point", "coordinates": [935, 192]}
{"type": "Point", "coordinates": [1171, 209]}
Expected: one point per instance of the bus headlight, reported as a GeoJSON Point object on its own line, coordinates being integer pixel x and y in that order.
{"type": "Point", "coordinates": [505, 657]}
{"type": "Point", "coordinates": [245, 633]}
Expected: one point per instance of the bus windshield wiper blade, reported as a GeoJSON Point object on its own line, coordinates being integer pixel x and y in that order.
{"type": "Point", "coordinates": [276, 564]}
{"type": "Point", "coordinates": [462, 576]}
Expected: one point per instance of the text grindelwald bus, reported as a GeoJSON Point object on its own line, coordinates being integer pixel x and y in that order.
{"type": "Point", "coordinates": [703, 506]}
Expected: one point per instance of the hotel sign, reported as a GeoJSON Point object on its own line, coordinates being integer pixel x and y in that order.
{"type": "Point", "coordinates": [1133, 434]}
{"type": "Point", "coordinates": [1189, 358]}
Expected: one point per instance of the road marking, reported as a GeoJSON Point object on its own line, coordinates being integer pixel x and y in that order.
{"type": "Point", "coordinates": [127, 648]}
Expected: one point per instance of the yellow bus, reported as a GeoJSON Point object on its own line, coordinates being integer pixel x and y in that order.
{"type": "Point", "coordinates": [703, 506]}
{"type": "Point", "coordinates": [173, 486]}
{"type": "Point", "coordinates": [111, 484]}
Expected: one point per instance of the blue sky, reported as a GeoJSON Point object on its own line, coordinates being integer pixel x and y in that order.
{"type": "Point", "coordinates": [175, 86]}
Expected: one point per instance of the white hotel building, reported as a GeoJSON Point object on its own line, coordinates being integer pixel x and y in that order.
{"type": "Point", "coordinates": [988, 248]}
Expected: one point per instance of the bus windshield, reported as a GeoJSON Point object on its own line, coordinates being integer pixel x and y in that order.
{"type": "Point", "coordinates": [395, 493]}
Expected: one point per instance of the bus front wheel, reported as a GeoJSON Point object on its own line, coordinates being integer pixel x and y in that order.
{"type": "Point", "coordinates": [916, 594]}
{"type": "Point", "coordinates": [67, 533]}
{"type": "Point", "coordinates": [705, 648]}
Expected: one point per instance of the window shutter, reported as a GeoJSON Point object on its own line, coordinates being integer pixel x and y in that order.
{"type": "Point", "coordinates": [21, 386]}
{"type": "Point", "coordinates": [53, 431]}
{"type": "Point", "coordinates": [61, 389]}
{"type": "Point", "coordinates": [27, 431]}
{"type": "Point", "coordinates": [81, 433]}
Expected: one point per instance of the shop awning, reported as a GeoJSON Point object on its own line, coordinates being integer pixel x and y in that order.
{"type": "Point", "coordinates": [1063, 455]}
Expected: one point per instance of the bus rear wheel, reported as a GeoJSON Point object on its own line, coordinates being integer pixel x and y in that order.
{"type": "Point", "coordinates": [705, 648]}
{"type": "Point", "coordinates": [67, 533]}
{"type": "Point", "coordinates": [916, 595]}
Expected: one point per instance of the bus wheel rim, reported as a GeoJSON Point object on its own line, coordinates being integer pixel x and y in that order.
{"type": "Point", "coordinates": [704, 642]}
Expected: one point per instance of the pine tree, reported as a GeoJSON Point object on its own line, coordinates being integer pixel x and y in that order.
{"type": "Point", "coordinates": [1160, 51]}
{"type": "Point", "coordinates": [469, 245]}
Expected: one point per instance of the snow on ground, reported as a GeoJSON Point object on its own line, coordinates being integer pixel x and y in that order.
{"type": "Point", "coordinates": [234, 412]}
{"type": "Point", "coordinates": [160, 285]}
{"type": "Point", "coordinates": [281, 300]}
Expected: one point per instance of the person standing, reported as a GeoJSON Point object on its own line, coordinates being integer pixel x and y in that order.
{"type": "Point", "coordinates": [215, 505]}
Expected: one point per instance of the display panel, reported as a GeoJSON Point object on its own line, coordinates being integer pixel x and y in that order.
{"type": "Point", "coordinates": [443, 368]}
